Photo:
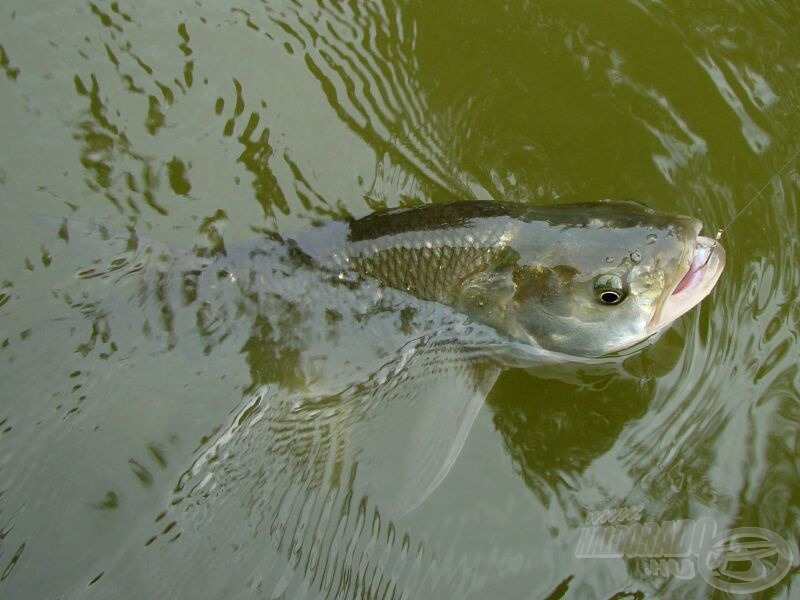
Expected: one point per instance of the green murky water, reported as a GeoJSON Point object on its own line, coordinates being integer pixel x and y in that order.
{"type": "Point", "coordinates": [150, 449]}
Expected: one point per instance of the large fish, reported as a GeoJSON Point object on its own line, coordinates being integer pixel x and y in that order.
{"type": "Point", "coordinates": [578, 279]}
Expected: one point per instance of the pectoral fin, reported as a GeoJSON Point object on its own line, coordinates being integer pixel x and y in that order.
{"type": "Point", "coordinates": [418, 423]}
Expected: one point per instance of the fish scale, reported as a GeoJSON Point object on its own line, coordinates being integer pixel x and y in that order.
{"type": "Point", "coordinates": [428, 273]}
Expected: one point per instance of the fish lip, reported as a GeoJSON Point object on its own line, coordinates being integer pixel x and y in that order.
{"type": "Point", "coordinates": [698, 260]}
{"type": "Point", "coordinates": [704, 265]}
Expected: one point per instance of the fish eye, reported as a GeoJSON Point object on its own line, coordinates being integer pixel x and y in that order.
{"type": "Point", "coordinates": [609, 289]}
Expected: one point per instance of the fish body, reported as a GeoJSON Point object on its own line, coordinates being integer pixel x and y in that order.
{"type": "Point", "coordinates": [570, 280]}
{"type": "Point", "coordinates": [577, 279]}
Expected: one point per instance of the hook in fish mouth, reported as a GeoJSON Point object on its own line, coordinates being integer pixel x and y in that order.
{"type": "Point", "coordinates": [704, 269]}
{"type": "Point", "coordinates": [703, 252]}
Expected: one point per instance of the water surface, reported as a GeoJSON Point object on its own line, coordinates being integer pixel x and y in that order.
{"type": "Point", "coordinates": [149, 446]}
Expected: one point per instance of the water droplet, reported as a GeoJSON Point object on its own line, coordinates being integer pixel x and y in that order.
{"type": "Point", "coordinates": [652, 238]}
{"type": "Point", "coordinates": [636, 257]}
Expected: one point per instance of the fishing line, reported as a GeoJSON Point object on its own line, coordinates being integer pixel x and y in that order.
{"type": "Point", "coordinates": [741, 211]}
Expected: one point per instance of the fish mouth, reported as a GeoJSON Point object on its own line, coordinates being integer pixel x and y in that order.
{"type": "Point", "coordinates": [703, 269]}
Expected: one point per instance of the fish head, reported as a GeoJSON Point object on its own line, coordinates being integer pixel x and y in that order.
{"type": "Point", "coordinates": [610, 275]}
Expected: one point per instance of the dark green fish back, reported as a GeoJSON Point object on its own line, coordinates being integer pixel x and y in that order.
{"type": "Point", "coordinates": [429, 217]}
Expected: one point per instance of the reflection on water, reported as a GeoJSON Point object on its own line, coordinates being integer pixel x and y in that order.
{"type": "Point", "coordinates": [229, 420]}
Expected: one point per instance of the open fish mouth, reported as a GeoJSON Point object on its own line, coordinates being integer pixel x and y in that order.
{"type": "Point", "coordinates": [704, 269]}
{"type": "Point", "coordinates": [698, 268]}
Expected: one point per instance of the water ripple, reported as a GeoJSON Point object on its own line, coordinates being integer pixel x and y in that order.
{"type": "Point", "coordinates": [360, 56]}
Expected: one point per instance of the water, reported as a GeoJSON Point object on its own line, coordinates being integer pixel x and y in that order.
{"type": "Point", "coordinates": [144, 449]}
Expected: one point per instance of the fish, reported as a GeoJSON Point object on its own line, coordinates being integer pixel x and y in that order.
{"type": "Point", "coordinates": [582, 280]}
{"type": "Point", "coordinates": [567, 281]}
